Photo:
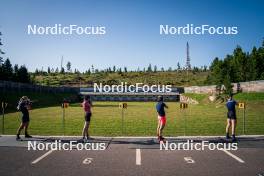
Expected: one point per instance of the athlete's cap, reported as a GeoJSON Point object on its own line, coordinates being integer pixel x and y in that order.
{"type": "Point", "coordinates": [160, 98]}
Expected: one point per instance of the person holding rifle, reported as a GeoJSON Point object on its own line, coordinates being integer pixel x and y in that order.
{"type": "Point", "coordinates": [24, 105]}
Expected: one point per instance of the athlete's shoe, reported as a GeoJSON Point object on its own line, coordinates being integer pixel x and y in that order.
{"type": "Point", "coordinates": [89, 138]}
{"type": "Point", "coordinates": [159, 138]}
{"type": "Point", "coordinates": [18, 137]}
{"type": "Point", "coordinates": [227, 136]}
{"type": "Point", "coordinates": [234, 139]}
{"type": "Point", "coordinates": [162, 138]}
{"type": "Point", "coordinates": [28, 136]}
{"type": "Point", "coordinates": [84, 139]}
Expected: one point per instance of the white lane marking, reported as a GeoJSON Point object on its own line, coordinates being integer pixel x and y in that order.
{"type": "Point", "coordinates": [189, 160]}
{"type": "Point", "coordinates": [138, 157]}
{"type": "Point", "coordinates": [41, 157]}
{"type": "Point", "coordinates": [87, 161]}
{"type": "Point", "coordinates": [233, 156]}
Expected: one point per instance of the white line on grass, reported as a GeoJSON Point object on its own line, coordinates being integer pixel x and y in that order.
{"type": "Point", "coordinates": [41, 157]}
{"type": "Point", "coordinates": [233, 156]}
{"type": "Point", "coordinates": [138, 157]}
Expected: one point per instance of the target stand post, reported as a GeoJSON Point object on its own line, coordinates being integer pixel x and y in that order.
{"type": "Point", "coordinates": [4, 106]}
{"type": "Point", "coordinates": [242, 106]}
{"type": "Point", "coordinates": [63, 106]}
{"type": "Point", "coordinates": [183, 107]}
{"type": "Point", "coordinates": [122, 106]}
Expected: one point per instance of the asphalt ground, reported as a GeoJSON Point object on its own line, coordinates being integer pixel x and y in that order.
{"type": "Point", "coordinates": [132, 156]}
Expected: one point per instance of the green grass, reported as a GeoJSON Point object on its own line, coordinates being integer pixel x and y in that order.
{"type": "Point", "coordinates": [141, 119]}
{"type": "Point", "coordinates": [250, 96]}
{"type": "Point", "coordinates": [198, 97]}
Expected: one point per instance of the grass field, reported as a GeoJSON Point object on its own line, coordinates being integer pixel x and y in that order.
{"type": "Point", "coordinates": [140, 118]}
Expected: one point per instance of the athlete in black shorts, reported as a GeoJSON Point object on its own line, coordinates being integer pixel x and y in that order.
{"type": "Point", "coordinates": [87, 106]}
{"type": "Point", "coordinates": [88, 116]}
{"type": "Point", "coordinates": [23, 106]}
{"type": "Point", "coordinates": [231, 117]}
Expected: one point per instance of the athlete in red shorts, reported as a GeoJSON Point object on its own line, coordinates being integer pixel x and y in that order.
{"type": "Point", "coordinates": [161, 117]}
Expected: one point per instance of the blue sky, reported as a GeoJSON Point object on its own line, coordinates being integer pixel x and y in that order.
{"type": "Point", "coordinates": [132, 31]}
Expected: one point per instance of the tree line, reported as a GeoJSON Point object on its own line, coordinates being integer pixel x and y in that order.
{"type": "Point", "coordinates": [240, 66]}
{"type": "Point", "coordinates": [10, 73]}
{"type": "Point", "coordinates": [114, 69]}
{"type": "Point", "coordinates": [16, 73]}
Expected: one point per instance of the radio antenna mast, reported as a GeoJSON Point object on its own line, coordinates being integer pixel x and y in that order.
{"type": "Point", "coordinates": [188, 60]}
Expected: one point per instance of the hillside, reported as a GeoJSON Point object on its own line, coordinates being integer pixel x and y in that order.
{"type": "Point", "coordinates": [175, 78]}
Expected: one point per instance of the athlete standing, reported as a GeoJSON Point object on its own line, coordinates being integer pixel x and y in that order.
{"type": "Point", "coordinates": [161, 117]}
{"type": "Point", "coordinates": [231, 117]}
{"type": "Point", "coordinates": [87, 105]}
{"type": "Point", "coordinates": [24, 105]}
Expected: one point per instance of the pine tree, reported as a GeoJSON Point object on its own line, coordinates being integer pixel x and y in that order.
{"type": "Point", "coordinates": [7, 70]}
{"type": "Point", "coordinates": [1, 52]}
{"type": "Point", "coordinates": [15, 76]}
{"type": "Point", "coordinates": [155, 68]}
{"type": "Point", "coordinates": [23, 75]}
{"type": "Point", "coordinates": [260, 62]}
{"type": "Point", "coordinates": [119, 71]}
{"type": "Point", "coordinates": [49, 70]}
{"type": "Point", "coordinates": [1, 60]}
{"type": "Point", "coordinates": [149, 68]}
{"type": "Point", "coordinates": [68, 66]}
{"type": "Point", "coordinates": [92, 69]}
{"type": "Point", "coordinates": [62, 70]}
{"type": "Point", "coordinates": [178, 66]}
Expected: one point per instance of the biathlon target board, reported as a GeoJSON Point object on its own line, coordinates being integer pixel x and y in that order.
{"type": "Point", "coordinates": [65, 105]}
{"type": "Point", "coordinates": [183, 105]}
{"type": "Point", "coordinates": [241, 105]}
{"type": "Point", "coordinates": [4, 105]}
{"type": "Point", "coordinates": [122, 105]}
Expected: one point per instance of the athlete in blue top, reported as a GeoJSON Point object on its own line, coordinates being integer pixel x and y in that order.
{"type": "Point", "coordinates": [161, 117]}
{"type": "Point", "coordinates": [231, 117]}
